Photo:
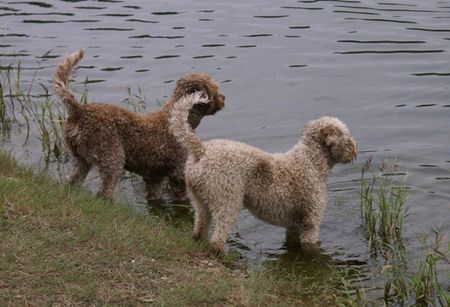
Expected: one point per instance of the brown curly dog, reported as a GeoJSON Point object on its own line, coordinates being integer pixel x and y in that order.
{"type": "Point", "coordinates": [113, 139]}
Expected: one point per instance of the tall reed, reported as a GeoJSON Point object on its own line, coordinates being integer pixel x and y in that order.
{"type": "Point", "coordinates": [136, 102]}
{"type": "Point", "coordinates": [382, 207]}
{"type": "Point", "coordinates": [383, 211]}
{"type": "Point", "coordinates": [425, 283]}
{"type": "Point", "coordinates": [3, 112]}
{"type": "Point", "coordinates": [37, 110]}
{"type": "Point", "coordinates": [6, 112]}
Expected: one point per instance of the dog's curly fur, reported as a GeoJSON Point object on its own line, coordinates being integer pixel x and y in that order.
{"type": "Point", "coordinates": [113, 139]}
{"type": "Point", "coordinates": [287, 190]}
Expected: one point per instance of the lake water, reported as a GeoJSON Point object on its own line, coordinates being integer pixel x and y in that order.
{"type": "Point", "coordinates": [383, 67]}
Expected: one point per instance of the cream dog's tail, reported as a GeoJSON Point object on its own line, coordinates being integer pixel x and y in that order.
{"type": "Point", "coordinates": [61, 81]}
{"type": "Point", "coordinates": [180, 127]}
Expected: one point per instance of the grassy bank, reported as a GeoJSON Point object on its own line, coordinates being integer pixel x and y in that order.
{"type": "Point", "coordinates": [65, 247]}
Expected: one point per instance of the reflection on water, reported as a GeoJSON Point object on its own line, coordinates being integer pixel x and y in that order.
{"type": "Point", "coordinates": [382, 67]}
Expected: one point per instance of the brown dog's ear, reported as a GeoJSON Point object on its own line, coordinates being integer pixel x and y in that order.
{"type": "Point", "coordinates": [189, 84]}
{"type": "Point", "coordinates": [190, 87]}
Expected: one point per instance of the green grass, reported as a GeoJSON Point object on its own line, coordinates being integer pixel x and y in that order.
{"type": "Point", "coordinates": [32, 105]}
{"type": "Point", "coordinates": [425, 282]}
{"type": "Point", "coordinates": [383, 209]}
{"type": "Point", "coordinates": [64, 247]}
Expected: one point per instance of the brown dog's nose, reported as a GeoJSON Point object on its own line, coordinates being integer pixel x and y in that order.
{"type": "Point", "coordinates": [222, 96]}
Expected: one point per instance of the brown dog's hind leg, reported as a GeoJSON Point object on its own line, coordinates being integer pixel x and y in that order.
{"type": "Point", "coordinates": [178, 185]}
{"type": "Point", "coordinates": [110, 167]}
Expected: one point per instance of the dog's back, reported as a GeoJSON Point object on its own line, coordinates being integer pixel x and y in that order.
{"type": "Point", "coordinates": [258, 179]}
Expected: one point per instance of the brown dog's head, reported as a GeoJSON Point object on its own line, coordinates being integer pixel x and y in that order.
{"type": "Point", "coordinates": [335, 135]}
{"type": "Point", "coordinates": [200, 82]}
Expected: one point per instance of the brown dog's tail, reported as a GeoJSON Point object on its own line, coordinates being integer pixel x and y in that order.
{"type": "Point", "coordinates": [180, 127]}
{"type": "Point", "coordinates": [61, 81]}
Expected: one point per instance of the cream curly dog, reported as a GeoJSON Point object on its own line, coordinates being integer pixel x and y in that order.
{"type": "Point", "coordinates": [113, 139]}
{"type": "Point", "coordinates": [287, 189]}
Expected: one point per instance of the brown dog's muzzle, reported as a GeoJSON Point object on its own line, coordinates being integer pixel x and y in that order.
{"type": "Point", "coordinates": [217, 104]}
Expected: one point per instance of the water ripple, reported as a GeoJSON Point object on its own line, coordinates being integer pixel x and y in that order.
{"type": "Point", "coordinates": [246, 46]}
{"type": "Point", "coordinates": [115, 15]}
{"type": "Point", "coordinates": [157, 36]}
{"type": "Point", "coordinates": [90, 7]}
{"type": "Point", "coordinates": [109, 29]}
{"type": "Point", "coordinates": [131, 56]}
{"type": "Point", "coordinates": [36, 14]}
{"type": "Point", "coordinates": [16, 54]}
{"type": "Point", "coordinates": [86, 67]}
{"type": "Point", "coordinates": [425, 105]}
{"type": "Point", "coordinates": [42, 21]}
{"type": "Point", "coordinates": [258, 35]}
{"type": "Point", "coordinates": [16, 35]}
{"type": "Point", "coordinates": [213, 45]}
{"type": "Point", "coordinates": [135, 7]}
{"type": "Point", "coordinates": [111, 68]}
{"type": "Point", "coordinates": [94, 81]}
{"type": "Point", "coordinates": [387, 10]}
{"type": "Point", "coordinates": [428, 30]}
{"type": "Point", "coordinates": [84, 20]}
{"type": "Point", "coordinates": [302, 8]}
{"type": "Point", "coordinates": [166, 13]}
{"type": "Point", "coordinates": [299, 27]}
{"type": "Point", "coordinates": [35, 3]}
{"type": "Point", "coordinates": [397, 4]}
{"type": "Point", "coordinates": [271, 16]}
{"type": "Point", "coordinates": [169, 56]}
{"type": "Point", "coordinates": [343, 1]}
{"type": "Point", "coordinates": [203, 56]}
{"type": "Point", "coordinates": [379, 41]}
{"type": "Point", "coordinates": [5, 8]}
{"type": "Point", "coordinates": [143, 21]}
{"type": "Point", "coordinates": [355, 12]}
{"type": "Point", "coordinates": [390, 51]}
{"type": "Point", "coordinates": [439, 74]}
{"type": "Point", "coordinates": [382, 19]}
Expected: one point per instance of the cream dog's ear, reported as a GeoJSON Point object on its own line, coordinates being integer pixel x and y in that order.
{"type": "Point", "coordinates": [342, 146]}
